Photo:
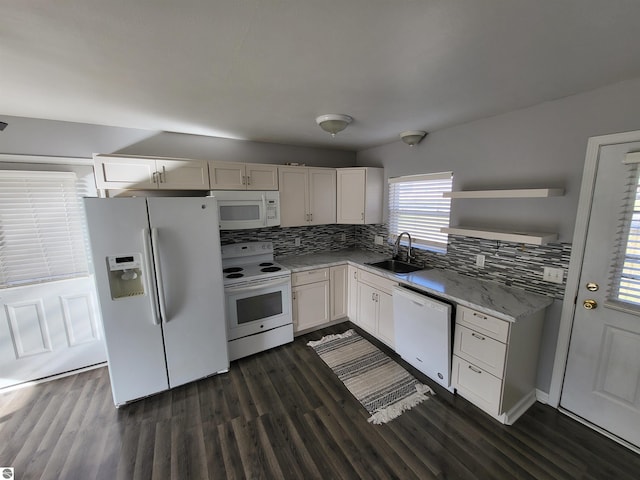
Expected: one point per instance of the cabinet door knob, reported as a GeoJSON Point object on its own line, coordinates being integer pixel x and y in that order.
{"type": "Point", "coordinates": [154, 177]}
{"type": "Point", "coordinates": [590, 304]}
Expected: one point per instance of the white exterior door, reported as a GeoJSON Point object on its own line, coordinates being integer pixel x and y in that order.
{"type": "Point", "coordinates": [602, 377]}
{"type": "Point", "coordinates": [47, 329]}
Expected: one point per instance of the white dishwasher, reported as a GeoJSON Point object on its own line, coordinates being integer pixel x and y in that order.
{"type": "Point", "coordinates": [423, 333]}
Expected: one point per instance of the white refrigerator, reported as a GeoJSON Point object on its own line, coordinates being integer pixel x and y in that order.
{"type": "Point", "coordinates": [159, 280]}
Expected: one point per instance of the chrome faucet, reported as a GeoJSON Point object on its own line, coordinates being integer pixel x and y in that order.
{"type": "Point", "coordinates": [396, 246]}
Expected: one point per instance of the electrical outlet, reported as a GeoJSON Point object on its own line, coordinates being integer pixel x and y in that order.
{"type": "Point", "coordinates": [343, 237]}
{"type": "Point", "coordinates": [553, 275]}
{"type": "Point", "coordinates": [297, 241]}
{"type": "Point", "coordinates": [480, 261]}
{"type": "Point", "coordinates": [378, 240]}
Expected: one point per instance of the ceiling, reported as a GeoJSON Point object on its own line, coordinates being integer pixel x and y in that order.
{"type": "Point", "coordinates": [263, 70]}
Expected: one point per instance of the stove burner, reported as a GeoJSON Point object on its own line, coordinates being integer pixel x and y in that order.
{"type": "Point", "coordinates": [270, 269]}
{"type": "Point", "coordinates": [235, 275]}
{"type": "Point", "coordinates": [266, 264]}
{"type": "Point", "coordinates": [232, 270]}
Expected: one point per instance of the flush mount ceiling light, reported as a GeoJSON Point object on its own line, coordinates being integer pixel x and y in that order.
{"type": "Point", "coordinates": [412, 137]}
{"type": "Point", "coordinates": [333, 123]}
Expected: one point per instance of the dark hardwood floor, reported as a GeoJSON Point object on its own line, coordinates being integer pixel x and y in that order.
{"type": "Point", "coordinates": [282, 414]}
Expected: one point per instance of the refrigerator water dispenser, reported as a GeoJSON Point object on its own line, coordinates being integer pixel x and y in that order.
{"type": "Point", "coordinates": [125, 275]}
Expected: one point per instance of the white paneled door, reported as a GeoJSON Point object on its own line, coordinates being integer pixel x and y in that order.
{"type": "Point", "coordinates": [602, 377]}
{"type": "Point", "coordinates": [47, 329]}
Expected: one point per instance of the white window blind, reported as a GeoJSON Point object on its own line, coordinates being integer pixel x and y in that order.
{"type": "Point", "coordinates": [42, 235]}
{"type": "Point", "coordinates": [416, 205]}
{"type": "Point", "coordinates": [625, 277]}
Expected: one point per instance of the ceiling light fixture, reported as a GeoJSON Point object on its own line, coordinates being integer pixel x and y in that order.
{"type": "Point", "coordinates": [412, 137]}
{"type": "Point", "coordinates": [333, 123]}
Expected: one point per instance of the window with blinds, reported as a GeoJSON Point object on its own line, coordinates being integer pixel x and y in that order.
{"type": "Point", "coordinates": [416, 205]}
{"type": "Point", "coordinates": [42, 235]}
{"type": "Point", "coordinates": [625, 277]}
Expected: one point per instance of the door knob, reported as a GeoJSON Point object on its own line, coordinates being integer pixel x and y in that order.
{"type": "Point", "coordinates": [590, 304]}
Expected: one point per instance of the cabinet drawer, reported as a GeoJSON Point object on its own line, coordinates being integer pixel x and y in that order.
{"type": "Point", "coordinates": [483, 351]}
{"type": "Point", "coordinates": [381, 283]}
{"type": "Point", "coordinates": [309, 276]}
{"type": "Point", "coordinates": [485, 324]}
{"type": "Point", "coordinates": [476, 385]}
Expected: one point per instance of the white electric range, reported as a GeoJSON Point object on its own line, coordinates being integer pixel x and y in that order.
{"type": "Point", "coordinates": [258, 299]}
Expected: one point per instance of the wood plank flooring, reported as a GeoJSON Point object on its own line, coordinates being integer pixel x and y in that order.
{"type": "Point", "coordinates": [282, 414]}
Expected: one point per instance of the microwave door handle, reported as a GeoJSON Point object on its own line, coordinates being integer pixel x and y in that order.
{"type": "Point", "coordinates": [153, 296]}
{"type": "Point", "coordinates": [264, 208]}
{"type": "Point", "coordinates": [156, 266]}
{"type": "Point", "coordinates": [259, 286]}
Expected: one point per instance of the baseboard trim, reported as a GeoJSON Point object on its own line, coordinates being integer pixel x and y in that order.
{"type": "Point", "coordinates": [509, 418]}
{"type": "Point", "coordinates": [542, 397]}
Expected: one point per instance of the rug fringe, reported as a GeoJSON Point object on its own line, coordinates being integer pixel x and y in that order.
{"type": "Point", "coordinates": [395, 410]}
{"type": "Point", "coordinates": [328, 338]}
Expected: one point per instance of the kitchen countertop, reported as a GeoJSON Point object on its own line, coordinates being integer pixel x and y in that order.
{"type": "Point", "coordinates": [507, 303]}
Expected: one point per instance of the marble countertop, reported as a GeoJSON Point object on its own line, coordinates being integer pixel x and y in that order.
{"type": "Point", "coordinates": [508, 303]}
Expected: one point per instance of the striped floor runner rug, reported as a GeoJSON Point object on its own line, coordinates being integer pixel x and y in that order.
{"type": "Point", "coordinates": [382, 386]}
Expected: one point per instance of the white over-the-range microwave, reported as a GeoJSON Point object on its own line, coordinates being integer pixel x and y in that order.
{"type": "Point", "coordinates": [239, 210]}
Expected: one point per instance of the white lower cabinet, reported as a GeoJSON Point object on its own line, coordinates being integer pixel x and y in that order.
{"type": "Point", "coordinates": [310, 298]}
{"type": "Point", "coordinates": [352, 300]}
{"type": "Point", "coordinates": [338, 282]}
{"type": "Point", "coordinates": [375, 306]}
{"type": "Point", "coordinates": [495, 362]}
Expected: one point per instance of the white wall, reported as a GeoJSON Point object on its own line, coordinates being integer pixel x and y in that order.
{"type": "Point", "coordinates": [540, 146]}
{"type": "Point", "coordinates": [28, 136]}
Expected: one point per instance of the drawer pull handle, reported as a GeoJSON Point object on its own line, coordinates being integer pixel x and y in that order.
{"type": "Point", "coordinates": [479, 316]}
{"type": "Point", "coordinates": [473, 369]}
{"type": "Point", "coordinates": [479, 337]}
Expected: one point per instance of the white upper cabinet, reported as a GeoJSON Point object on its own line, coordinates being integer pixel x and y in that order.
{"type": "Point", "coordinates": [242, 176]}
{"type": "Point", "coordinates": [307, 196]}
{"type": "Point", "coordinates": [149, 173]}
{"type": "Point", "coordinates": [359, 195]}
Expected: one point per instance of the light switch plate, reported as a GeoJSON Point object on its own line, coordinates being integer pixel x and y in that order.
{"type": "Point", "coordinates": [378, 240]}
{"type": "Point", "coordinates": [553, 275]}
{"type": "Point", "coordinates": [297, 241]}
{"type": "Point", "coordinates": [480, 261]}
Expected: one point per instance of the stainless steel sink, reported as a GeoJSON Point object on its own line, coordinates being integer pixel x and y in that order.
{"type": "Point", "coordinates": [396, 266]}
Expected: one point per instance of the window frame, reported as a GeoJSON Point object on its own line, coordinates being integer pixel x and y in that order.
{"type": "Point", "coordinates": [426, 235]}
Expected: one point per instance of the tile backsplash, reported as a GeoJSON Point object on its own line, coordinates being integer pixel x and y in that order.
{"type": "Point", "coordinates": [514, 264]}
{"type": "Point", "coordinates": [507, 263]}
{"type": "Point", "coordinates": [313, 239]}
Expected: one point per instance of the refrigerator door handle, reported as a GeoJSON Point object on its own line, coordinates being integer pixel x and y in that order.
{"type": "Point", "coordinates": [156, 266]}
{"type": "Point", "coordinates": [153, 297]}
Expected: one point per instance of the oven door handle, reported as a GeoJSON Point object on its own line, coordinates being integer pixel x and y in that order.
{"type": "Point", "coordinates": [257, 286]}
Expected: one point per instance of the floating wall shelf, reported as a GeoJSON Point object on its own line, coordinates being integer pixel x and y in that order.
{"type": "Point", "coordinates": [533, 238]}
{"type": "Point", "coordinates": [512, 193]}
